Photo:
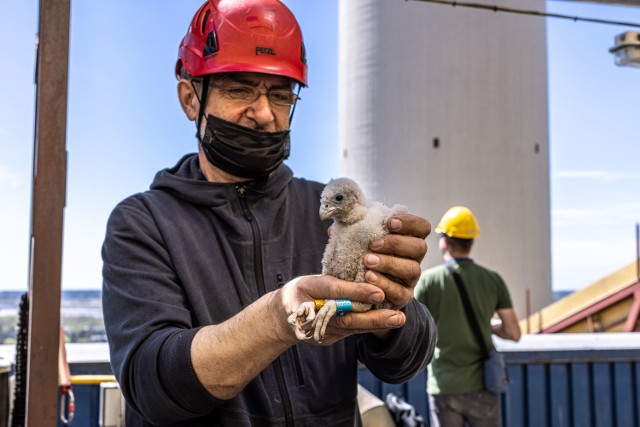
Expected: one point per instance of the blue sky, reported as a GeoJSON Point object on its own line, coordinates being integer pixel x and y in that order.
{"type": "Point", "coordinates": [124, 124]}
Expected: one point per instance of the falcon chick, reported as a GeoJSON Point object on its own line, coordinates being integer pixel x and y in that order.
{"type": "Point", "coordinates": [356, 223]}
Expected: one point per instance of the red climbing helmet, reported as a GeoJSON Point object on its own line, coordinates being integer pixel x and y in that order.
{"type": "Point", "coordinates": [258, 36]}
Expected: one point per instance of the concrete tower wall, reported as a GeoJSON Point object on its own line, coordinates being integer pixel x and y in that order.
{"type": "Point", "coordinates": [443, 106]}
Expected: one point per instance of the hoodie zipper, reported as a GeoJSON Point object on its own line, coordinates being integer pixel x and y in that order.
{"type": "Point", "coordinates": [294, 349]}
{"type": "Point", "coordinates": [257, 250]}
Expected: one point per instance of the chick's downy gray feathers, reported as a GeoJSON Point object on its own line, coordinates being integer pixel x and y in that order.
{"type": "Point", "coordinates": [356, 223]}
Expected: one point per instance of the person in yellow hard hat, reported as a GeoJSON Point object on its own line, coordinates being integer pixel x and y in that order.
{"type": "Point", "coordinates": [456, 386]}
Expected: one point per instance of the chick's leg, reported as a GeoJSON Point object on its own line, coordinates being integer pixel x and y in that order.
{"type": "Point", "coordinates": [331, 308]}
{"type": "Point", "coordinates": [324, 315]}
{"type": "Point", "coordinates": [360, 307]}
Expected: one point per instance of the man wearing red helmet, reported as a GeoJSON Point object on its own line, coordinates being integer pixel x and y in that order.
{"type": "Point", "coordinates": [201, 271]}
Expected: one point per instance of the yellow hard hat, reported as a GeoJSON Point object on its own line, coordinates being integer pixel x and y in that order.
{"type": "Point", "coordinates": [458, 222]}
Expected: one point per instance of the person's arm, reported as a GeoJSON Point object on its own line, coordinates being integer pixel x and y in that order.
{"type": "Point", "coordinates": [229, 355]}
{"type": "Point", "coordinates": [170, 370]}
{"type": "Point", "coordinates": [508, 327]}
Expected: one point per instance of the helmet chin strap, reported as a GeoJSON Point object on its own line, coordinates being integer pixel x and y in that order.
{"type": "Point", "coordinates": [206, 79]}
{"type": "Point", "coordinates": [293, 109]}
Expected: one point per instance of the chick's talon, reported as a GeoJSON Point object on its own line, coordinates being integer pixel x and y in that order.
{"type": "Point", "coordinates": [302, 316]}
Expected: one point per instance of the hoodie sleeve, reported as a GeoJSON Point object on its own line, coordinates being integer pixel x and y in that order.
{"type": "Point", "coordinates": [147, 320]}
{"type": "Point", "coordinates": [407, 351]}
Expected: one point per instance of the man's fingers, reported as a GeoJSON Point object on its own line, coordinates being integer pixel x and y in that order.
{"type": "Point", "coordinates": [398, 295]}
{"type": "Point", "coordinates": [409, 225]}
{"type": "Point", "coordinates": [395, 276]}
{"type": "Point", "coordinates": [370, 321]}
{"type": "Point", "coordinates": [401, 246]}
{"type": "Point", "coordinates": [406, 238]}
{"type": "Point", "coordinates": [406, 270]}
{"type": "Point", "coordinates": [329, 287]}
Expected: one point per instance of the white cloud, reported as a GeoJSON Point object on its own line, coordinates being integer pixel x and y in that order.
{"type": "Point", "coordinates": [626, 211]}
{"type": "Point", "coordinates": [8, 177]}
{"type": "Point", "coordinates": [597, 175]}
{"type": "Point", "coordinates": [578, 262]}
{"type": "Point", "coordinates": [576, 213]}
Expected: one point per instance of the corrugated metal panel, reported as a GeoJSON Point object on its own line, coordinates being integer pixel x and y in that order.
{"type": "Point", "coordinates": [558, 382]}
{"type": "Point", "coordinates": [87, 400]}
{"type": "Point", "coordinates": [589, 380]}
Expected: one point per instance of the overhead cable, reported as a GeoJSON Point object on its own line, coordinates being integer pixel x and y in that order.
{"type": "Point", "coordinates": [495, 8]}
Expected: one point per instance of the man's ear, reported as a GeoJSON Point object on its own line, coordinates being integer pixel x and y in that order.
{"type": "Point", "coordinates": [188, 99]}
{"type": "Point", "coordinates": [443, 244]}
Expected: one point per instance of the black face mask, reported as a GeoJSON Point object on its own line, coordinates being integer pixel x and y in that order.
{"type": "Point", "coordinates": [242, 151]}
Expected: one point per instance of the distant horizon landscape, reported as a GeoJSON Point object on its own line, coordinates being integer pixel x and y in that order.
{"type": "Point", "coordinates": [81, 301]}
{"type": "Point", "coordinates": [80, 315]}
{"type": "Point", "coordinates": [70, 297]}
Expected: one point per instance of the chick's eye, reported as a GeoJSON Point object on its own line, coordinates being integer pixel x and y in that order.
{"type": "Point", "coordinates": [339, 197]}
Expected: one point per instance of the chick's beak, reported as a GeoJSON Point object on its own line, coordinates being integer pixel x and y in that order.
{"type": "Point", "coordinates": [326, 211]}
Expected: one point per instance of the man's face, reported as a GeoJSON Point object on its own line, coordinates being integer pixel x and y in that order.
{"type": "Point", "coordinates": [260, 114]}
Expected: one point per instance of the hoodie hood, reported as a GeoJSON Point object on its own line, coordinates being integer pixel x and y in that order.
{"type": "Point", "coordinates": [187, 181]}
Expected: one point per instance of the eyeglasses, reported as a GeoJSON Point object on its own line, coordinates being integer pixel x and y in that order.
{"type": "Point", "coordinates": [280, 97]}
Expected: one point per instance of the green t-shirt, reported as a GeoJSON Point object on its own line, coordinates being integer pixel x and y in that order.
{"type": "Point", "coordinates": [456, 366]}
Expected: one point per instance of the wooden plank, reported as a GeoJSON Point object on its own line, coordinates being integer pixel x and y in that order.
{"type": "Point", "coordinates": [634, 313]}
{"type": "Point", "coordinates": [47, 209]}
{"type": "Point", "coordinates": [548, 318]}
{"type": "Point", "coordinates": [594, 308]}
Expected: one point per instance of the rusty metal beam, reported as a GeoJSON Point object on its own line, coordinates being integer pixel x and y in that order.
{"type": "Point", "coordinates": [634, 313]}
{"type": "Point", "coordinates": [592, 310]}
{"type": "Point", "coordinates": [47, 210]}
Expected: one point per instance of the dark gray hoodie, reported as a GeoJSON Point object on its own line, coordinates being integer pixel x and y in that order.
{"type": "Point", "coordinates": [190, 253]}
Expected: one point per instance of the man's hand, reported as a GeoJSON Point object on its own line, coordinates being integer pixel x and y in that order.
{"type": "Point", "coordinates": [308, 288]}
{"type": "Point", "coordinates": [398, 255]}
